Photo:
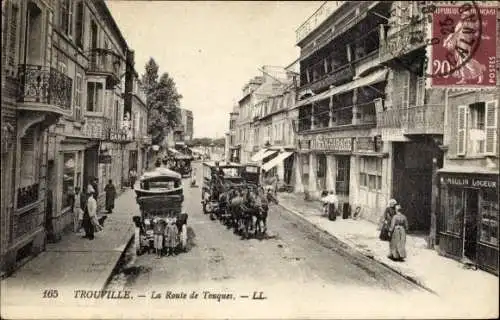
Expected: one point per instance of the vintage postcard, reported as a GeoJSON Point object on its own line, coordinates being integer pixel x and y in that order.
{"type": "Point", "coordinates": [249, 159]}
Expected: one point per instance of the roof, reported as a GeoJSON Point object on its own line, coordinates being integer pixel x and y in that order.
{"type": "Point", "coordinates": [161, 172]}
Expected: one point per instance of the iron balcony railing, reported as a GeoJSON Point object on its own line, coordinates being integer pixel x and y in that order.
{"type": "Point", "coordinates": [317, 18]}
{"type": "Point", "coordinates": [27, 195]}
{"type": "Point", "coordinates": [40, 84]}
{"type": "Point", "coordinates": [424, 119]}
{"type": "Point", "coordinates": [403, 41]}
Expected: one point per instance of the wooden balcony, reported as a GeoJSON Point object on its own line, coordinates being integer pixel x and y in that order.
{"type": "Point", "coordinates": [27, 195]}
{"type": "Point", "coordinates": [105, 63]}
{"type": "Point", "coordinates": [409, 38]}
{"type": "Point", "coordinates": [44, 89]}
{"type": "Point", "coordinates": [341, 74]}
{"type": "Point", "coordinates": [415, 120]}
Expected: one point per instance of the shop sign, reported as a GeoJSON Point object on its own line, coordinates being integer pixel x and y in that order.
{"type": "Point", "coordinates": [323, 142]}
{"type": "Point", "coordinates": [104, 158]}
{"type": "Point", "coordinates": [369, 144]}
{"type": "Point", "coordinates": [470, 182]}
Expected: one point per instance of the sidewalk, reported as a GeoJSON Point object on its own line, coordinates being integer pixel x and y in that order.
{"type": "Point", "coordinates": [75, 262]}
{"type": "Point", "coordinates": [426, 267]}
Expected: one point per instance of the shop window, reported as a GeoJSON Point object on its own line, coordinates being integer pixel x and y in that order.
{"type": "Point", "coordinates": [488, 213]}
{"type": "Point", "coordinates": [453, 213]}
{"type": "Point", "coordinates": [371, 173]}
{"type": "Point", "coordinates": [69, 170]}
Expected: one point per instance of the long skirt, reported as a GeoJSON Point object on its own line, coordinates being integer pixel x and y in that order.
{"type": "Point", "coordinates": [171, 236]}
{"type": "Point", "coordinates": [398, 243]}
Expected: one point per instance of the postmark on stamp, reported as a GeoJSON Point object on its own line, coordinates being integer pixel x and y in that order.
{"type": "Point", "coordinates": [463, 53]}
{"type": "Point", "coordinates": [459, 40]}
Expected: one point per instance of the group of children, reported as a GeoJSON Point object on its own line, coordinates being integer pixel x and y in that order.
{"type": "Point", "coordinates": [165, 235]}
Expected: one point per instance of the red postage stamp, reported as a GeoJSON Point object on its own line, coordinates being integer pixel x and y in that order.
{"type": "Point", "coordinates": [466, 53]}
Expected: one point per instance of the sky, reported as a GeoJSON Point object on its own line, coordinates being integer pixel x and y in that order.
{"type": "Point", "coordinates": [211, 49]}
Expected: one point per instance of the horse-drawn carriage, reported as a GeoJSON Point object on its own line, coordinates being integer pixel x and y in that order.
{"type": "Point", "coordinates": [160, 198]}
{"type": "Point", "coordinates": [231, 193]}
{"type": "Point", "coordinates": [181, 163]}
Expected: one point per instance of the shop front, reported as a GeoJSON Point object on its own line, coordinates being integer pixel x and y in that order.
{"type": "Point", "coordinates": [325, 162]}
{"type": "Point", "coordinates": [468, 217]}
{"type": "Point", "coordinates": [372, 168]}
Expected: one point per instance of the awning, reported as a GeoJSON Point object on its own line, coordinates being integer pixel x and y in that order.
{"type": "Point", "coordinates": [279, 159]}
{"type": "Point", "coordinates": [375, 77]}
{"type": "Point", "coordinates": [262, 154]}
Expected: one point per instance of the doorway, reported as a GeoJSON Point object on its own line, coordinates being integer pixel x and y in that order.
{"type": "Point", "coordinates": [470, 223]}
{"type": "Point", "coordinates": [49, 203]}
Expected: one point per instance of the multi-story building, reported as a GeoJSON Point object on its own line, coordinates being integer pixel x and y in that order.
{"type": "Point", "coordinates": [274, 137]}
{"type": "Point", "coordinates": [187, 123]}
{"type": "Point", "coordinates": [63, 71]}
{"type": "Point", "coordinates": [136, 152]}
{"type": "Point", "coordinates": [342, 83]}
{"type": "Point", "coordinates": [233, 148]}
{"type": "Point", "coordinates": [243, 124]}
{"type": "Point", "coordinates": [441, 139]}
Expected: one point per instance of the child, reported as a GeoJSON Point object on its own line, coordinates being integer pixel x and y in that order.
{"type": "Point", "coordinates": [171, 234]}
{"type": "Point", "coordinates": [148, 227]}
{"type": "Point", "coordinates": [159, 229]}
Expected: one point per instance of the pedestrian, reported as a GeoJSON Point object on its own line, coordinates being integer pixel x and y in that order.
{"type": "Point", "coordinates": [389, 212]}
{"type": "Point", "coordinates": [77, 210]}
{"type": "Point", "coordinates": [397, 232]}
{"type": "Point", "coordinates": [95, 185]}
{"type": "Point", "coordinates": [90, 211]}
{"type": "Point", "coordinates": [158, 230]}
{"type": "Point", "coordinates": [132, 177]}
{"type": "Point", "coordinates": [171, 235]}
{"type": "Point", "coordinates": [110, 196]}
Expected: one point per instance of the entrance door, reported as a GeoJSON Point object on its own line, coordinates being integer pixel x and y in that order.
{"type": "Point", "coordinates": [343, 174]}
{"type": "Point", "coordinates": [470, 223]}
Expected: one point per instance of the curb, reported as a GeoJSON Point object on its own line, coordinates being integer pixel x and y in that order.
{"type": "Point", "coordinates": [116, 264]}
{"type": "Point", "coordinates": [351, 245]}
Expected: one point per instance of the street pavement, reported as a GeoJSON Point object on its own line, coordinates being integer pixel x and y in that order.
{"type": "Point", "coordinates": [301, 271]}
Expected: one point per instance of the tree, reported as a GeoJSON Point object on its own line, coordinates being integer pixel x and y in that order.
{"type": "Point", "coordinates": [162, 101]}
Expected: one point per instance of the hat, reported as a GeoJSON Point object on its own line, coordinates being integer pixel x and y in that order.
{"type": "Point", "coordinates": [392, 202]}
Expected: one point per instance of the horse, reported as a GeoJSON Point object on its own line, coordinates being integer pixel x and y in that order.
{"type": "Point", "coordinates": [234, 208]}
{"type": "Point", "coordinates": [250, 214]}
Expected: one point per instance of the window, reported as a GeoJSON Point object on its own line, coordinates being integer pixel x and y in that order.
{"type": "Point", "coordinates": [80, 24]}
{"type": "Point", "coordinates": [69, 169]}
{"type": "Point", "coordinates": [477, 128]}
{"type": "Point", "coordinates": [321, 158]}
{"type": "Point", "coordinates": [66, 17]}
{"type": "Point", "coordinates": [370, 173]}
{"type": "Point", "coordinates": [488, 214]}
{"type": "Point", "coordinates": [12, 34]}
{"type": "Point", "coordinates": [94, 96]}
{"type": "Point", "coordinates": [78, 97]}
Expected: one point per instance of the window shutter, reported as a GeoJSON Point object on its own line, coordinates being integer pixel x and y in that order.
{"type": "Point", "coordinates": [491, 115]}
{"type": "Point", "coordinates": [462, 130]}
{"type": "Point", "coordinates": [13, 23]}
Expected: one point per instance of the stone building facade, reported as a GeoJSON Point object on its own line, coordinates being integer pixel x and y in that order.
{"type": "Point", "coordinates": [63, 83]}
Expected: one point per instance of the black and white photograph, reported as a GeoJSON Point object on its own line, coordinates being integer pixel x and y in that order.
{"type": "Point", "coordinates": [249, 159]}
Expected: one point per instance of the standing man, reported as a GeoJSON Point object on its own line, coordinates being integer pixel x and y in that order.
{"type": "Point", "coordinates": [132, 177]}
{"type": "Point", "coordinates": [110, 191]}
{"type": "Point", "coordinates": [90, 211]}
